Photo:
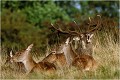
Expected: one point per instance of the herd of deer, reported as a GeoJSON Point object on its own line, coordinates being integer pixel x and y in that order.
{"type": "Point", "coordinates": [67, 55]}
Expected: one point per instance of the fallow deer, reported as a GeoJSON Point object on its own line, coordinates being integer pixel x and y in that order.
{"type": "Point", "coordinates": [30, 65]}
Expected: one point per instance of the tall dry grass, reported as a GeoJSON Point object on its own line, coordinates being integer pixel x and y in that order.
{"type": "Point", "coordinates": [106, 52]}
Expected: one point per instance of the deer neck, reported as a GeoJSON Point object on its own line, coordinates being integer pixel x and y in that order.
{"type": "Point", "coordinates": [29, 63]}
{"type": "Point", "coordinates": [69, 54]}
{"type": "Point", "coordinates": [72, 52]}
{"type": "Point", "coordinates": [85, 48]}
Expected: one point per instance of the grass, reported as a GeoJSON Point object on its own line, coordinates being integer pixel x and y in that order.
{"type": "Point", "coordinates": [106, 52]}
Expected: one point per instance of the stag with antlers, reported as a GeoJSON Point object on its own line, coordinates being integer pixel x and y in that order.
{"type": "Point", "coordinates": [84, 50]}
{"type": "Point", "coordinates": [83, 41]}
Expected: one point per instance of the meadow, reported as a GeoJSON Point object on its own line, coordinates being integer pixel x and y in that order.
{"type": "Point", "coordinates": [27, 22]}
{"type": "Point", "coordinates": [106, 52]}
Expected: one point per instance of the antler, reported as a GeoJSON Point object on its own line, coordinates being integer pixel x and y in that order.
{"type": "Point", "coordinates": [97, 26]}
{"type": "Point", "coordinates": [74, 33]}
{"type": "Point", "coordinates": [66, 32]}
{"type": "Point", "coordinates": [59, 30]}
{"type": "Point", "coordinates": [11, 55]}
{"type": "Point", "coordinates": [77, 25]}
{"type": "Point", "coordinates": [89, 23]}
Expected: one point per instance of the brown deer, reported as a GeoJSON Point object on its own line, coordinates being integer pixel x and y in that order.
{"type": "Point", "coordinates": [56, 58]}
{"type": "Point", "coordinates": [17, 66]}
{"type": "Point", "coordinates": [83, 62]}
{"type": "Point", "coordinates": [83, 41]}
{"type": "Point", "coordinates": [59, 58]}
{"type": "Point", "coordinates": [83, 44]}
{"type": "Point", "coordinates": [30, 65]}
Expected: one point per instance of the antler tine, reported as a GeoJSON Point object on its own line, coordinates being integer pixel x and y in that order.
{"type": "Point", "coordinates": [89, 23]}
{"type": "Point", "coordinates": [65, 32]}
{"type": "Point", "coordinates": [98, 24]}
{"type": "Point", "coordinates": [59, 30]}
{"type": "Point", "coordinates": [11, 55]}
{"type": "Point", "coordinates": [89, 19]}
{"type": "Point", "coordinates": [77, 25]}
{"type": "Point", "coordinates": [74, 32]}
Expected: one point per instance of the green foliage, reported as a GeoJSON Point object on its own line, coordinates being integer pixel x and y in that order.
{"type": "Point", "coordinates": [16, 31]}
{"type": "Point", "coordinates": [39, 13]}
{"type": "Point", "coordinates": [26, 22]}
{"type": "Point", "coordinates": [105, 8]}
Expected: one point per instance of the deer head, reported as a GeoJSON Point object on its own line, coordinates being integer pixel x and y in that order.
{"type": "Point", "coordinates": [83, 40]}
{"type": "Point", "coordinates": [20, 56]}
{"type": "Point", "coordinates": [69, 53]}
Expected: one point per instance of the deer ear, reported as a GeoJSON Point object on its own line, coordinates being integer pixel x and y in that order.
{"type": "Point", "coordinates": [82, 35]}
{"type": "Point", "coordinates": [29, 47]}
{"type": "Point", "coordinates": [91, 35]}
{"type": "Point", "coordinates": [68, 40]}
{"type": "Point", "coordinates": [11, 55]}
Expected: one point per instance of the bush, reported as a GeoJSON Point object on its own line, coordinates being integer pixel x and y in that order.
{"type": "Point", "coordinates": [17, 32]}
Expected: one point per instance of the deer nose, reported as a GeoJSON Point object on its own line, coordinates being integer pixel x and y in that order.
{"type": "Point", "coordinates": [88, 40]}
